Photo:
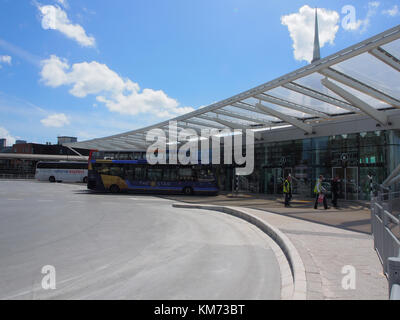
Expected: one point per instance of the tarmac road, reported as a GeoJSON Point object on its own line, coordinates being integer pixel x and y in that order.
{"type": "Point", "coordinates": [105, 246]}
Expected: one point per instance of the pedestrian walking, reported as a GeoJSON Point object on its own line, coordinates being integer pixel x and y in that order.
{"type": "Point", "coordinates": [320, 192]}
{"type": "Point", "coordinates": [287, 190]}
{"type": "Point", "coordinates": [335, 191]}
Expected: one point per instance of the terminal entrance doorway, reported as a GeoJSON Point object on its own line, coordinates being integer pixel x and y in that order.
{"type": "Point", "coordinates": [274, 178]}
{"type": "Point", "coordinates": [348, 187]}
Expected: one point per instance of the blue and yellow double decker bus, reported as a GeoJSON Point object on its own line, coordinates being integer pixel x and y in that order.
{"type": "Point", "coordinates": [123, 171]}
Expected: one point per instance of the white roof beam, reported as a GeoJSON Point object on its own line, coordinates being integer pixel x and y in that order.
{"type": "Point", "coordinates": [363, 106]}
{"type": "Point", "coordinates": [139, 144]}
{"type": "Point", "coordinates": [230, 124]}
{"type": "Point", "coordinates": [208, 118]}
{"type": "Point", "coordinates": [249, 107]}
{"type": "Point", "coordinates": [243, 117]}
{"type": "Point", "coordinates": [319, 96]}
{"type": "Point", "coordinates": [185, 126]}
{"type": "Point", "coordinates": [297, 123]}
{"type": "Point", "coordinates": [179, 128]}
{"type": "Point", "coordinates": [130, 138]}
{"type": "Point", "coordinates": [291, 105]}
{"type": "Point", "coordinates": [203, 124]}
{"type": "Point", "coordinates": [386, 57]}
{"type": "Point", "coordinates": [246, 106]}
{"type": "Point", "coordinates": [358, 85]}
{"type": "Point", "coordinates": [227, 124]}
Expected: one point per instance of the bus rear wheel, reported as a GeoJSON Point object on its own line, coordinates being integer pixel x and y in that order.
{"type": "Point", "coordinates": [52, 179]}
{"type": "Point", "coordinates": [85, 179]}
{"type": "Point", "coordinates": [188, 191]}
{"type": "Point", "coordinates": [114, 189]}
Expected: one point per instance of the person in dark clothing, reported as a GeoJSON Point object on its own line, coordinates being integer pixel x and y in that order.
{"type": "Point", "coordinates": [335, 191]}
{"type": "Point", "coordinates": [287, 190]}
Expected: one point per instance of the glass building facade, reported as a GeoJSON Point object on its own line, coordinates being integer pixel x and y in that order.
{"type": "Point", "coordinates": [351, 157]}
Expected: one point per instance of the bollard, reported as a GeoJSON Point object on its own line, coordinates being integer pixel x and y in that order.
{"type": "Point", "coordinates": [393, 275]}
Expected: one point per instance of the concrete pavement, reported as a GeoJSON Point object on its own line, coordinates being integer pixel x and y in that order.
{"type": "Point", "coordinates": [327, 242]}
{"type": "Point", "coordinates": [352, 215]}
{"type": "Point", "coordinates": [107, 246]}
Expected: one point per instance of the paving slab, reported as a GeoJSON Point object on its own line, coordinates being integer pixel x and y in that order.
{"type": "Point", "coordinates": [328, 242]}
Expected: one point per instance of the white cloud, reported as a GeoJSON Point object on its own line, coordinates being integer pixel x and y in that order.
{"type": "Point", "coordinates": [392, 12]}
{"type": "Point", "coordinates": [55, 18]}
{"type": "Point", "coordinates": [301, 29]}
{"type": "Point", "coordinates": [4, 134]}
{"type": "Point", "coordinates": [362, 25]}
{"type": "Point", "coordinates": [64, 3]}
{"type": "Point", "coordinates": [56, 120]}
{"type": "Point", "coordinates": [5, 60]}
{"type": "Point", "coordinates": [118, 94]}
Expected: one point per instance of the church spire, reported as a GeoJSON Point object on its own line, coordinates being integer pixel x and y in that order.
{"type": "Point", "coordinates": [316, 53]}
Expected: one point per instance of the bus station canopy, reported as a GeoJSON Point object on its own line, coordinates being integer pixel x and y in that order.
{"type": "Point", "coordinates": [363, 79]}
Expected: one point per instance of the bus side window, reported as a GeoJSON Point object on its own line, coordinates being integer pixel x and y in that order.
{"type": "Point", "coordinates": [130, 173]}
{"type": "Point", "coordinates": [205, 174]}
{"type": "Point", "coordinates": [185, 174]}
{"type": "Point", "coordinates": [117, 171]}
{"type": "Point", "coordinates": [170, 174]}
{"type": "Point", "coordinates": [140, 173]}
{"type": "Point", "coordinates": [103, 169]}
{"type": "Point", "coordinates": [154, 174]}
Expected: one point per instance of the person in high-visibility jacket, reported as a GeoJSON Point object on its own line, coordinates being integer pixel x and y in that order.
{"type": "Point", "coordinates": [287, 190]}
{"type": "Point", "coordinates": [320, 191]}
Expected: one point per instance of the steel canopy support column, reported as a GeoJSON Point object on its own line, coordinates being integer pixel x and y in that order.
{"type": "Point", "coordinates": [363, 106]}
{"type": "Point", "coordinates": [294, 122]}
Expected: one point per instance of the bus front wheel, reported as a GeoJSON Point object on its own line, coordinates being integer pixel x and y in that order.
{"type": "Point", "coordinates": [188, 191]}
{"type": "Point", "coordinates": [52, 179]}
{"type": "Point", "coordinates": [114, 189]}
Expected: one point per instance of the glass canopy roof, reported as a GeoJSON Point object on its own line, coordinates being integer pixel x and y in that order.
{"type": "Point", "coordinates": [363, 79]}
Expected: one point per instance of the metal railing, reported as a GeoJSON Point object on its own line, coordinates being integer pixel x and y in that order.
{"type": "Point", "coordinates": [385, 224]}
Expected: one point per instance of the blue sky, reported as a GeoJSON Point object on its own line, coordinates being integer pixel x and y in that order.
{"type": "Point", "coordinates": [98, 67]}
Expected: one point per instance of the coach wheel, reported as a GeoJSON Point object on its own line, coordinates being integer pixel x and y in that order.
{"type": "Point", "coordinates": [85, 179]}
{"type": "Point", "coordinates": [188, 190]}
{"type": "Point", "coordinates": [114, 189]}
{"type": "Point", "coordinates": [52, 179]}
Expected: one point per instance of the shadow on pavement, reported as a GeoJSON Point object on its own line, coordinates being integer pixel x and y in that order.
{"type": "Point", "coordinates": [351, 215]}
